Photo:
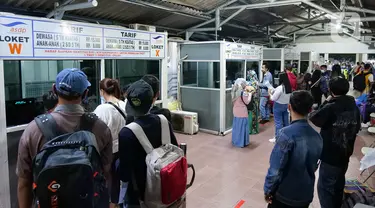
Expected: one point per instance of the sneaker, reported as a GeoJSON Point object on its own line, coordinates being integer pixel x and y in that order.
{"type": "Point", "coordinates": [364, 125]}
{"type": "Point", "coordinates": [273, 140]}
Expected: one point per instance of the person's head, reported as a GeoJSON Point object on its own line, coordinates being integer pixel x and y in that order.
{"type": "Point", "coordinates": [50, 101]}
{"type": "Point", "coordinates": [367, 66]}
{"type": "Point", "coordinates": [358, 64]}
{"type": "Point", "coordinates": [109, 88]}
{"type": "Point", "coordinates": [307, 77]}
{"type": "Point", "coordinates": [140, 98]}
{"type": "Point", "coordinates": [363, 64]}
{"type": "Point", "coordinates": [124, 89]}
{"type": "Point", "coordinates": [154, 83]}
{"type": "Point", "coordinates": [336, 70]}
{"type": "Point", "coordinates": [338, 86]}
{"type": "Point", "coordinates": [71, 86]}
{"type": "Point", "coordinates": [300, 104]}
{"type": "Point", "coordinates": [316, 75]}
{"type": "Point", "coordinates": [323, 67]}
{"type": "Point", "coordinates": [238, 86]}
{"type": "Point", "coordinates": [288, 67]}
{"type": "Point", "coordinates": [284, 80]}
{"type": "Point", "coordinates": [265, 67]}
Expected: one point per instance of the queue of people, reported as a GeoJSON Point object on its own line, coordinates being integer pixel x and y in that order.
{"type": "Point", "coordinates": [51, 146]}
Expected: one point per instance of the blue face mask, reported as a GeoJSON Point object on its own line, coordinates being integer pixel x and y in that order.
{"type": "Point", "coordinates": [102, 100]}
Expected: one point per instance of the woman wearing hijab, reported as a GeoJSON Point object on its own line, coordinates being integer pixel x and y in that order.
{"type": "Point", "coordinates": [252, 80]}
{"type": "Point", "coordinates": [241, 97]}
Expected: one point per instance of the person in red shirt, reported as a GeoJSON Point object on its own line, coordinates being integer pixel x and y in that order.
{"type": "Point", "coordinates": [292, 78]}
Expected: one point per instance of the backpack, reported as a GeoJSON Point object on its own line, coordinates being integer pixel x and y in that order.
{"type": "Point", "coordinates": [359, 81]}
{"type": "Point", "coordinates": [166, 176]}
{"type": "Point", "coordinates": [67, 171]}
{"type": "Point", "coordinates": [249, 106]}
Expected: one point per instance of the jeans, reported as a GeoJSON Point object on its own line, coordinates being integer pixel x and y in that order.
{"type": "Point", "coordinates": [277, 204]}
{"type": "Point", "coordinates": [264, 108]}
{"type": "Point", "coordinates": [331, 185]}
{"type": "Point", "coordinates": [281, 116]}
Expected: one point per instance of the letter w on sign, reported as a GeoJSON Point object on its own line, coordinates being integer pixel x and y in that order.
{"type": "Point", "coordinates": [157, 53]}
{"type": "Point", "coordinates": [15, 48]}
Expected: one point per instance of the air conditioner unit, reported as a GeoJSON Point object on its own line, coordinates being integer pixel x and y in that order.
{"type": "Point", "coordinates": [143, 27]}
{"type": "Point", "coordinates": [185, 122]}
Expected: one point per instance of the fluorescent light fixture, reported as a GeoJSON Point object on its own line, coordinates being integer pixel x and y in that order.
{"type": "Point", "coordinates": [338, 26]}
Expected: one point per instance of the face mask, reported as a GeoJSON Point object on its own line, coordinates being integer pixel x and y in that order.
{"type": "Point", "coordinates": [102, 100]}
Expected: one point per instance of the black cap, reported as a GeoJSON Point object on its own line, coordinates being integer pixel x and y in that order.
{"type": "Point", "coordinates": [140, 98]}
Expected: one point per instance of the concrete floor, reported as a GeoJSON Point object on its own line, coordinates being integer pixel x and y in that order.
{"type": "Point", "coordinates": [226, 175]}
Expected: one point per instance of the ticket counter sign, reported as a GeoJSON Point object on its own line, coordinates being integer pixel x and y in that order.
{"type": "Point", "coordinates": [243, 51]}
{"type": "Point", "coordinates": [15, 37]}
{"type": "Point", "coordinates": [28, 37]}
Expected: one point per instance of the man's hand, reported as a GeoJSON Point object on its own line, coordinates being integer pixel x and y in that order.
{"type": "Point", "coordinates": [268, 198]}
{"type": "Point", "coordinates": [329, 98]}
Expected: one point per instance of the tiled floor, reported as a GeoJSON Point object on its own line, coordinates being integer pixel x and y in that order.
{"type": "Point", "coordinates": [226, 175]}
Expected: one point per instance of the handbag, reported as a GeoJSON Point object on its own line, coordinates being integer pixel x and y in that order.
{"type": "Point", "coordinates": [249, 106]}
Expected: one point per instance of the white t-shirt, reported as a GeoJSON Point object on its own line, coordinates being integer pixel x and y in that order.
{"type": "Point", "coordinates": [279, 96]}
{"type": "Point", "coordinates": [114, 120]}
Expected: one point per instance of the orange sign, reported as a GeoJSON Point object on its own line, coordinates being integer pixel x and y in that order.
{"type": "Point", "coordinates": [15, 48]}
{"type": "Point", "coordinates": [157, 53]}
{"type": "Point", "coordinates": [53, 186]}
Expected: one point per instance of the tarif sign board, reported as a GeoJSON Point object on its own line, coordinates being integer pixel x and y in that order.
{"type": "Point", "coordinates": [28, 37]}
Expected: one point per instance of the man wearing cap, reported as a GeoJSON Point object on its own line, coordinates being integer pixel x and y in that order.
{"type": "Point", "coordinates": [140, 99]}
{"type": "Point", "coordinates": [71, 87]}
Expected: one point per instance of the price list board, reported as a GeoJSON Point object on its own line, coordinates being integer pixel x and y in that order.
{"type": "Point", "coordinates": [30, 37]}
{"type": "Point", "coordinates": [243, 51]}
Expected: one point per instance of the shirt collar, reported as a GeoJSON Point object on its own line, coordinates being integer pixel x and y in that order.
{"type": "Point", "coordinates": [300, 121]}
{"type": "Point", "coordinates": [70, 108]}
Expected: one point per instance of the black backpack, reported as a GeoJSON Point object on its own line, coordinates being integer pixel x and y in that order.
{"type": "Point", "coordinates": [359, 81]}
{"type": "Point", "coordinates": [67, 171]}
{"type": "Point", "coordinates": [249, 106]}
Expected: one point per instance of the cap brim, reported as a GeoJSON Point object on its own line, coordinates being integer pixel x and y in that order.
{"type": "Point", "coordinates": [88, 83]}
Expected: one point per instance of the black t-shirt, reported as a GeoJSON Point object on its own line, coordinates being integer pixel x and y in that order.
{"type": "Point", "coordinates": [154, 110]}
{"type": "Point", "coordinates": [132, 155]}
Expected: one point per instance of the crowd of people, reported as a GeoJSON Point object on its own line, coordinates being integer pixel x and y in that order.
{"type": "Point", "coordinates": [120, 171]}
{"type": "Point", "coordinates": [299, 150]}
{"type": "Point", "coordinates": [120, 175]}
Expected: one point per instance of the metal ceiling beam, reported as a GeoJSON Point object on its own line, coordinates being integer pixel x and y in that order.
{"type": "Point", "coordinates": [70, 7]}
{"type": "Point", "coordinates": [231, 17]}
{"type": "Point", "coordinates": [302, 22]}
{"type": "Point", "coordinates": [321, 8]}
{"type": "Point", "coordinates": [265, 5]}
{"type": "Point", "coordinates": [221, 6]}
{"type": "Point", "coordinates": [356, 9]}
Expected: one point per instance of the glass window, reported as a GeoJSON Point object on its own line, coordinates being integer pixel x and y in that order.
{"type": "Point", "coordinates": [235, 69]}
{"type": "Point", "coordinates": [129, 70]}
{"type": "Point", "coordinates": [201, 74]}
{"type": "Point", "coordinates": [27, 81]}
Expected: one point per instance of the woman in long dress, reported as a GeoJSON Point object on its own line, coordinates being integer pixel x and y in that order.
{"type": "Point", "coordinates": [252, 80]}
{"type": "Point", "coordinates": [241, 96]}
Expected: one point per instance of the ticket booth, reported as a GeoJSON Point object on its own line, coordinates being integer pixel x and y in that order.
{"type": "Point", "coordinates": [274, 57]}
{"type": "Point", "coordinates": [35, 50]}
{"type": "Point", "coordinates": [208, 70]}
{"type": "Point", "coordinates": [291, 57]}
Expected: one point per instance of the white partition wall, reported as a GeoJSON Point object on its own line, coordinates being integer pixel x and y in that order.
{"type": "Point", "coordinates": [36, 49]}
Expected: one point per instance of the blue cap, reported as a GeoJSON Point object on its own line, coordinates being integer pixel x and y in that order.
{"type": "Point", "coordinates": [140, 97]}
{"type": "Point", "coordinates": [72, 82]}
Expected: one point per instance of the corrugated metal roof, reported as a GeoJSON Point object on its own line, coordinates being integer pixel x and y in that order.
{"type": "Point", "coordinates": [165, 13]}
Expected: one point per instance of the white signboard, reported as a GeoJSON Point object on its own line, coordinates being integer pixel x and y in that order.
{"type": "Point", "coordinates": [290, 54]}
{"type": "Point", "coordinates": [243, 51]}
{"type": "Point", "coordinates": [26, 37]}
